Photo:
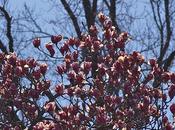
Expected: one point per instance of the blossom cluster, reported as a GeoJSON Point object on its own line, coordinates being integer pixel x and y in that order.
{"type": "Point", "coordinates": [106, 88]}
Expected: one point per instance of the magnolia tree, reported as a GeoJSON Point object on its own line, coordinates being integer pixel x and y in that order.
{"type": "Point", "coordinates": [107, 89]}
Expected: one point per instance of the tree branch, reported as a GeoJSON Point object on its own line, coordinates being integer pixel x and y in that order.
{"type": "Point", "coordinates": [107, 4]}
{"type": "Point", "coordinates": [158, 22]}
{"type": "Point", "coordinates": [112, 13]}
{"type": "Point", "coordinates": [3, 48]}
{"type": "Point", "coordinates": [88, 12]}
{"type": "Point", "coordinates": [94, 10]}
{"type": "Point", "coordinates": [168, 32]}
{"type": "Point", "coordinates": [168, 61]}
{"type": "Point", "coordinates": [72, 16]}
{"type": "Point", "coordinates": [154, 14]}
{"type": "Point", "coordinates": [8, 28]}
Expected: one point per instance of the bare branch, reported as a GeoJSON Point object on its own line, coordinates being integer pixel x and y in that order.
{"type": "Point", "coordinates": [94, 10]}
{"type": "Point", "coordinates": [8, 28]}
{"type": "Point", "coordinates": [169, 61]}
{"type": "Point", "coordinates": [112, 13]}
{"type": "Point", "coordinates": [88, 13]}
{"type": "Point", "coordinates": [107, 4]}
{"type": "Point", "coordinates": [2, 47]}
{"type": "Point", "coordinates": [72, 16]}
{"type": "Point", "coordinates": [168, 32]}
{"type": "Point", "coordinates": [154, 14]}
{"type": "Point", "coordinates": [32, 19]}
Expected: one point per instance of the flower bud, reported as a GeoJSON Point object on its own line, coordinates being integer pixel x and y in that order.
{"type": "Point", "coordinates": [56, 39]}
{"type": "Point", "coordinates": [172, 108]}
{"type": "Point", "coordinates": [50, 107]}
{"type": "Point", "coordinates": [171, 91]}
{"type": "Point", "coordinates": [101, 17]}
{"type": "Point", "coordinates": [49, 47]}
{"type": "Point", "coordinates": [43, 68]}
{"type": "Point", "coordinates": [59, 90]}
{"type": "Point", "coordinates": [36, 42]}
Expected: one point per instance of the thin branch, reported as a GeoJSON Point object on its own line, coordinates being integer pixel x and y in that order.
{"type": "Point", "coordinates": [154, 14]}
{"type": "Point", "coordinates": [168, 32]}
{"type": "Point", "coordinates": [107, 4]}
{"type": "Point", "coordinates": [33, 20]}
{"type": "Point", "coordinates": [161, 26]}
{"type": "Point", "coordinates": [72, 16]}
